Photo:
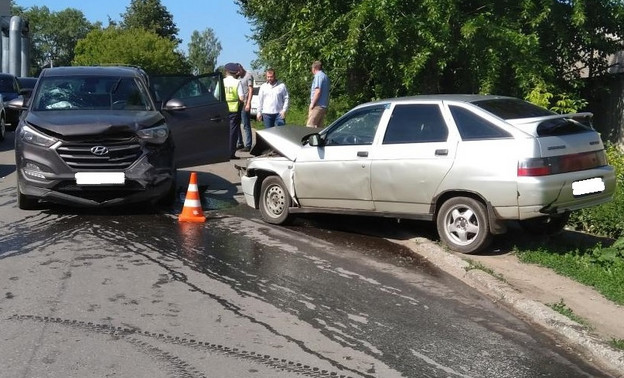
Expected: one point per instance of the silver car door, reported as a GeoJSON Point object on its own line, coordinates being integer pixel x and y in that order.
{"type": "Point", "coordinates": [337, 173]}
{"type": "Point", "coordinates": [414, 156]}
{"type": "Point", "coordinates": [196, 113]}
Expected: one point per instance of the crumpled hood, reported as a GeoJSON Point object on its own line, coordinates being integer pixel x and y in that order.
{"type": "Point", "coordinates": [87, 122]}
{"type": "Point", "coordinates": [285, 140]}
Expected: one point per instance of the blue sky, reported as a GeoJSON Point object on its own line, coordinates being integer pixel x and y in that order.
{"type": "Point", "coordinates": [231, 28]}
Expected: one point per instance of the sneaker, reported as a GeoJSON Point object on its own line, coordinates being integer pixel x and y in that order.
{"type": "Point", "coordinates": [246, 149]}
{"type": "Point", "coordinates": [238, 148]}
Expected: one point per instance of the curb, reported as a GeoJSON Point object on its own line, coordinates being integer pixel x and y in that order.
{"type": "Point", "coordinates": [599, 352]}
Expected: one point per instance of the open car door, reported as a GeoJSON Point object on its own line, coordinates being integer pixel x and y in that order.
{"type": "Point", "coordinates": [196, 113]}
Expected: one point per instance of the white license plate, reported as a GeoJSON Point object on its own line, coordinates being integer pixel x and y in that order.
{"type": "Point", "coordinates": [593, 185]}
{"type": "Point", "coordinates": [100, 178]}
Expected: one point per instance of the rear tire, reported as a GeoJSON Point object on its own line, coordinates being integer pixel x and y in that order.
{"type": "Point", "coordinates": [548, 225]}
{"type": "Point", "coordinates": [462, 224]}
{"type": "Point", "coordinates": [274, 201]}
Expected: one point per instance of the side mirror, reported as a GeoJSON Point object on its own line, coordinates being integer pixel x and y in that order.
{"type": "Point", "coordinates": [17, 103]}
{"type": "Point", "coordinates": [174, 104]}
{"type": "Point", "coordinates": [313, 140]}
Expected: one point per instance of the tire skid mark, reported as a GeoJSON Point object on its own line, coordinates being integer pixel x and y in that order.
{"type": "Point", "coordinates": [182, 278]}
{"type": "Point", "coordinates": [182, 369]}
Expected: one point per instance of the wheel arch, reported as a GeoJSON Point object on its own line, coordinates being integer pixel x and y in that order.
{"type": "Point", "coordinates": [495, 223]}
{"type": "Point", "coordinates": [262, 174]}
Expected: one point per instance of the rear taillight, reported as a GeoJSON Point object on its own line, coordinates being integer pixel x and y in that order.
{"type": "Point", "coordinates": [561, 164]}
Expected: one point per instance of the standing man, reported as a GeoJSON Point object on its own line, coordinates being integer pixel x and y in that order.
{"type": "Point", "coordinates": [247, 83]}
{"type": "Point", "coordinates": [233, 97]}
{"type": "Point", "coordinates": [272, 101]}
{"type": "Point", "coordinates": [319, 96]}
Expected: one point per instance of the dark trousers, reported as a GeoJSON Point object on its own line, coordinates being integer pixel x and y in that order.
{"type": "Point", "coordinates": [235, 122]}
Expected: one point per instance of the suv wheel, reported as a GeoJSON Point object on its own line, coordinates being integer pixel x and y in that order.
{"type": "Point", "coordinates": [462, 224]}
{"type": "Point", "coordinates": [274, 201]}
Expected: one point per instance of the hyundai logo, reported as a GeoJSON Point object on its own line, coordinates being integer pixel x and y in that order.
{"type": "Point", "coordinates": [99, 150]}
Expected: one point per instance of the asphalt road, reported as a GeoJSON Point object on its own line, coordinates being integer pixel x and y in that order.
{"type": "Point", "coordinates": [134, 292]}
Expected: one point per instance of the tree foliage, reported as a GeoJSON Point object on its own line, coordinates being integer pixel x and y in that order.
{"type": "Point", "coordinates": [53, 35]}
{"type": "Point", "coordinates": [139, 47]}
{"type": "Point", "coordinates": [203, 51]}
{"type": "Point", "coordinates": [150, 15]}
{"type": "Point", "coordinates": [372, 49]}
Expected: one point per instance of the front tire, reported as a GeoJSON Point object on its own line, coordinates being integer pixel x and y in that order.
{"type": "Point", "coordinates": [462, 224]}
{"type": "Point", "coordinates": [274, 201]}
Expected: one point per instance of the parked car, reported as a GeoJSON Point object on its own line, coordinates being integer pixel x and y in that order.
{"type": "Point", "coordinates": [26, 83]}
{"type": "Point", "coordinates": [470, 163]}
{"type": "Point", "coordinates": [3, 127]}
{"type": "Point", "coordinates": [10, 89]}
{"type": "Point", "coordinates": [254, 102]}
{"type": "Point", "coordinates": [102, 136]}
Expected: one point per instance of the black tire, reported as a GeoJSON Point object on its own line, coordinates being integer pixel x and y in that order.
{"type": "Point", "coordinates": [25, 202]}
{"type": "Point", "coordinates": [462, 224]}
{"type": "Point", "coordinates": [170, 198]}
{"type": "Point", "coordinates": [547, 225]}
{"type": "Point", "coordinates": [3, 128]}
{"type": "Point", "coordinates": [274, 201]}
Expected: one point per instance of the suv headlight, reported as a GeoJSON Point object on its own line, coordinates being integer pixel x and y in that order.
{"type": "Point", "coordinates": [32, 136]}
{"type": "Point", "coordinates": [158, 134]}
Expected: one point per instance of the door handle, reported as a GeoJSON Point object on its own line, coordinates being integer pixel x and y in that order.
{"type": "Point", "coordinates": [441, 152]}
{"type": "Point", "coordinates": [362, 153]}
{"type": "Point", "coordinates": [216, 119]}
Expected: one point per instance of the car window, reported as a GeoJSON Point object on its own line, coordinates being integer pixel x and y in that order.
{"type": "Point", "coordinates": [90, 93]}
{"type": "Point", "coordinates": [7, 84]}
{"type": "Point", "coordinates": [512, 108]}
{"type": "Point", "coordinates": [187, 86]}
{"type": "Point", "coordinates": [416, 123]}
{"type": "Point", "coordinates": [473, 127]}
{"type": "Point", "coordinates": [358, 127]}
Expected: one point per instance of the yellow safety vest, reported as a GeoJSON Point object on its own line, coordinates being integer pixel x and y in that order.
{"type": "Point", "coordinates": [231, 93]}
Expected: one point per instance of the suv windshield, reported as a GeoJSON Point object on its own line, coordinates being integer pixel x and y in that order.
{"type": "Point", "coordinates": [90, 93]}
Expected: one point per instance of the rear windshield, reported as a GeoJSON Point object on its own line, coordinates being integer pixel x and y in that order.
{"type": "Point", "coordinates": [512, 108]}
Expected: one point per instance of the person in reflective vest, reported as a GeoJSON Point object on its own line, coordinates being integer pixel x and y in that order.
{"type": "Point", "coordinates": [233, 97]}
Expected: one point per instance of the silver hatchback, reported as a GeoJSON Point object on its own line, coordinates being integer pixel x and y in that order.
{"type": "Point", "coordinates": [470, 163]}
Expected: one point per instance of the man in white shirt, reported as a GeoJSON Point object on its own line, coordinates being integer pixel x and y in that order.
{"type": "Point", "coordinates": [272, 101]}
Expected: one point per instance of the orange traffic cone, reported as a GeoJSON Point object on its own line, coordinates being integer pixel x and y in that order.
{"type": "Point", "coordinates": [192, 210]}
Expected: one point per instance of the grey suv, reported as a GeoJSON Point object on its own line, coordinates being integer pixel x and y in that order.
{"type": "Point", "coordinates": [102, 136]}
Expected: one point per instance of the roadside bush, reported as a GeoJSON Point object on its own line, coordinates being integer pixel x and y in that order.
{"type": "Point", "coordinates": [606, 219]}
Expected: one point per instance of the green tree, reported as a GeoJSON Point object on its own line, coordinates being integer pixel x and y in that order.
{"type": "Point", "coordinates": [382, 48]}
{"type": "Point", "coordinates": [139, 47]}
{"type": "Point", "coordinates": [150, 15]}
{"type": "Point", "coordinates": [203, 51]}
{"type": "Point", "coordinates": [54, 35]}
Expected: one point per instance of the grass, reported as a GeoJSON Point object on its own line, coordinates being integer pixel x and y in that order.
{"type": "Point", "coordinates": [564, 310]}
{"type": "Point", "coordinates": [477, 265]}
{"type": "Point", "coordinates": [617, 343]}
{"type": "Point", "coordinates": [594, 267]}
